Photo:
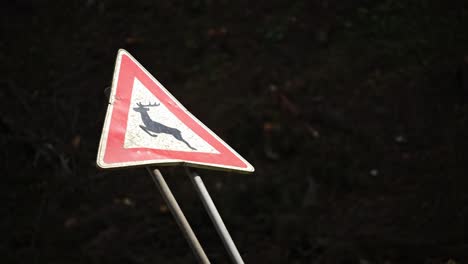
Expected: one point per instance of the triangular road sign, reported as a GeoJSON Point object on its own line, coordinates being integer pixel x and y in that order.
{"type": "Point", "coordinates": [146, 125]}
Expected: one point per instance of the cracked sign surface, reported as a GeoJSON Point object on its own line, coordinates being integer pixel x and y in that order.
{"type": "Point", "coordinates": [146, 125]}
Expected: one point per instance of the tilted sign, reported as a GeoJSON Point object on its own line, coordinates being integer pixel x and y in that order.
{"type": "Point", "coordinates": [146, 125]}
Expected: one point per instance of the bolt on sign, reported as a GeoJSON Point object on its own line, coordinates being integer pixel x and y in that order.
{"type": "Point", "coordinates": [146, 125]}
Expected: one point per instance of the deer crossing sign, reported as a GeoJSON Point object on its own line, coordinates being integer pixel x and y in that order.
{"type": "Point", "coordinates": [146, 125]}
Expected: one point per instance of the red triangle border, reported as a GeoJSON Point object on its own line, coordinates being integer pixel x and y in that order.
{"type": "Point", "coordinates": [111, 152]}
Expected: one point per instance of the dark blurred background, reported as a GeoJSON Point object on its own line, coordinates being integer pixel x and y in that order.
{"type": "Point", "coordinates": [354, 114]}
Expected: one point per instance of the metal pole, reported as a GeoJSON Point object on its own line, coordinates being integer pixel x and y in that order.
{"type": "Point", "coordinates": [215, 217]}
{"type": "Point", "coordinates": [178, 215]}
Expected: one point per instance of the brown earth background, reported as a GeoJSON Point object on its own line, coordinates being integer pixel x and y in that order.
{"type": "Point", "coordinates": [354, 114]}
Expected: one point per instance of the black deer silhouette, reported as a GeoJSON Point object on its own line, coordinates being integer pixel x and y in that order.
{"type": "Point", "coordinates": [155, 127]}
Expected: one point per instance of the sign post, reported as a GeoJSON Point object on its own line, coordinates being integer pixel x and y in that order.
{"type": "Point", "coordinates": [215, 217]}
{"type": "Point", "coordinates": [145, 125]}
{"type": "Point", "coordinates": [178, 215]}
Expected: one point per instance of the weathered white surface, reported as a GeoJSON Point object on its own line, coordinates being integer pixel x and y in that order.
{"type": "Point", "coordinates": [135, 137]}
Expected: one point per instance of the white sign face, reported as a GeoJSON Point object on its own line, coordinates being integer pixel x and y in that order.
{"type": "Point", "coordinates": [138, 137]}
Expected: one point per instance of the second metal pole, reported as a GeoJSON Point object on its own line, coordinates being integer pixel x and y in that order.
{"type": "Point", "coordinates": [179, 216]}
{"type": "Point", "coordinates": [215, 217]}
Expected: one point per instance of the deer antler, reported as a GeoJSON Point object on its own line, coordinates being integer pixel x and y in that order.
{"type": "Point", "coordinates": [148, 105]}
